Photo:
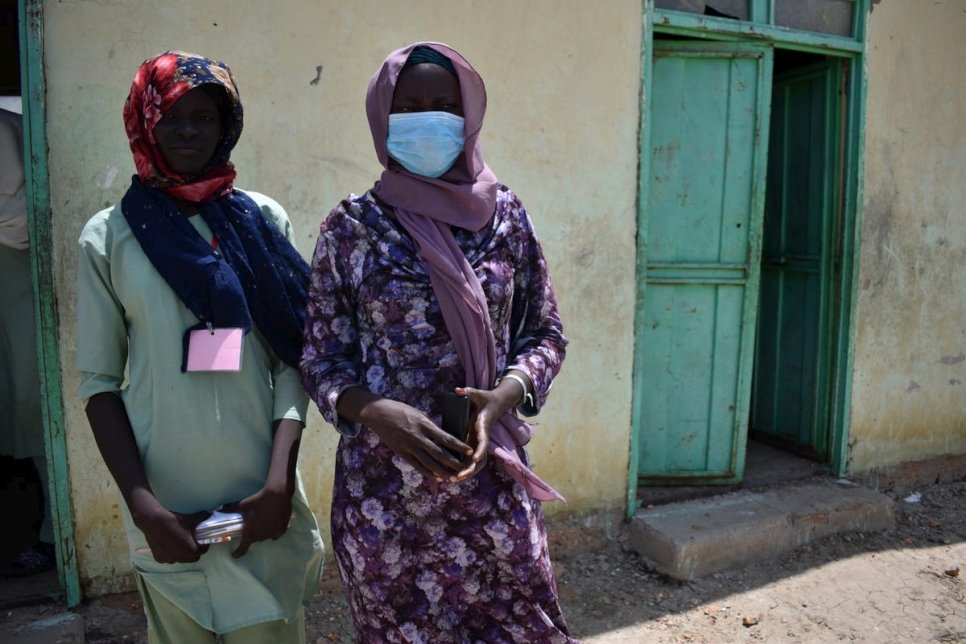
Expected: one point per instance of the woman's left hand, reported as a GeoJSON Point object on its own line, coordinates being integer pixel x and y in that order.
{"type": "Point", "coordinates": [266, 513]}
{"type": "Point", "coordinates": [489, 406]}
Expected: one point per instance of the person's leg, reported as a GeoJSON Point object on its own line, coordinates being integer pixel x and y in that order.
{"type": "Point", "coordinates": [33, 555]}
{"type": "Point", "coordinates": [277, 632]}
{"type": "Point", "coordinates": [46, 533]}
{"type": "Point", "coordinates": [21, 425]}
{"type": "Point", "coordinates": [168, 624]}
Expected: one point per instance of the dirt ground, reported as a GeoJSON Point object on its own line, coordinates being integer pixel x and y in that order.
{"type": "Point", "coordinates": [906, 585]}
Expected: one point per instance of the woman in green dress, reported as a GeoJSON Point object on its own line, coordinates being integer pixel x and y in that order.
{"type": "Point", "coordinates": [193, 288]}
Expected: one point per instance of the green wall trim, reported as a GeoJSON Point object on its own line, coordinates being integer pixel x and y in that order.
{"type": "Point", "coordinates": [698, 26]}
{"type": "Point", "coordinates": [34, 91]}
{"type": "Point", "coordinates": [762, 11]}
{"type": "Point", "coordinates": [643, 171]}
{"type": "Point", "coordinates": [851, 236]}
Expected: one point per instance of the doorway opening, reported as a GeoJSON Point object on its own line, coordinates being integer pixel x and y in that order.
{"type": "Point", "coordinates": [795, 350]}
{"type": "Point", "coordinates": [29, 557]}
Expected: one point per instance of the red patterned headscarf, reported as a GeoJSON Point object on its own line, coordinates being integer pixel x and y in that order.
{"type": "Point", "coordinates": [158, 84]}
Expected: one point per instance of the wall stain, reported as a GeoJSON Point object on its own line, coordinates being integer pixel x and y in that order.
{"type": "Point", "coordinates": [913, 386]}
{"type": "Point", "coordinates": [953, 359]}
{"type": "Point", "coordinates": [318, 75]}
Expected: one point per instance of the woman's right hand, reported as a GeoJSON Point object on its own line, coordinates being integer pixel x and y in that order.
{"type": "Point", "coordinates": [171, 535]}
{"type": "Point", "coordinates": [414, 437]}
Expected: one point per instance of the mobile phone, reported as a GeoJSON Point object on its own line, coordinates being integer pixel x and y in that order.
{"type": "Point", "coordinates": [219, 527]}
{"type": "Point", "coordinates": [456, 415]}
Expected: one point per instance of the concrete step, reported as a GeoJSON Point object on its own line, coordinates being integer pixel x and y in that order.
{"type": "Point", "coordinates": [693, 539]}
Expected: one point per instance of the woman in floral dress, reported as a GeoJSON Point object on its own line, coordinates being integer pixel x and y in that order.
{"type": "Point", "coordinates": [432, 282]}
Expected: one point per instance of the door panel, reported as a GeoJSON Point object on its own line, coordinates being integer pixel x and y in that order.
{"type": "Point", "coordinates": [708, 123]}
{"type": "Point", "coordinates": [792, 364]}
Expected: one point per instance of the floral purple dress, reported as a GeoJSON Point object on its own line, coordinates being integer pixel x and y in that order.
{"type": "Point", "coordinates": [423, 561]}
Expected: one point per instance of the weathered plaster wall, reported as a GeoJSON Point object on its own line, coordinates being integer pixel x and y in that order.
{"type": "Point", "coordinates": [563, 79]}
{"type": "Point", "coordinates": [909, 387]}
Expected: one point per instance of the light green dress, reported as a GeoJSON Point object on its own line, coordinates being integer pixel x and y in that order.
{"type": "Point", "coordinates": [21, 430]}
{"type": "Point", "coordinates": [205, 438]}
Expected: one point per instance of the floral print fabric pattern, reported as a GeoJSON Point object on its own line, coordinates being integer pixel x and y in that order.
{"type": "Point", "coordinates": [423, 561]}
{"type": "Point", "coordinates": [158, 84]}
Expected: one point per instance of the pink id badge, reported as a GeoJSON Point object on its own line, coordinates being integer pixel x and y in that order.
{"type": "Point", "coordinates": [215, 349]}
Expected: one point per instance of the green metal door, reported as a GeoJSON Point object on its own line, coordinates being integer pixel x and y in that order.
{"type": "Point", "coordinates": [792, 366]}
{"type": "Point", "coordinates": [700, 247]}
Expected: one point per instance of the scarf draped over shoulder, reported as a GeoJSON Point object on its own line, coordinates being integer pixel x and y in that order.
{"type": "Point", "coordinates": [465, 196]}
{"type": "Point", "coordinates": [256, 277]}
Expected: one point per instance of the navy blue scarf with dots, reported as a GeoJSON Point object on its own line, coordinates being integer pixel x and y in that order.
{"type": "Point", "coordinates": [257, 276]}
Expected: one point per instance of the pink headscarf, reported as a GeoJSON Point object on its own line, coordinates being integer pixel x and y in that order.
{"type": "Point", "coordinates": [465, 197]}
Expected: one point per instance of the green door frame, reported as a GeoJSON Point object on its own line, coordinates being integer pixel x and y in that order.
{"type": "Point", "coordinates": [762, 29]}
{"type": "Point", "coordinates": [34, 92]}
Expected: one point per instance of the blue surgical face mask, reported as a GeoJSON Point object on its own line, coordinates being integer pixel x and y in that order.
{"type": "Point", "coordinates": [425, 143]}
